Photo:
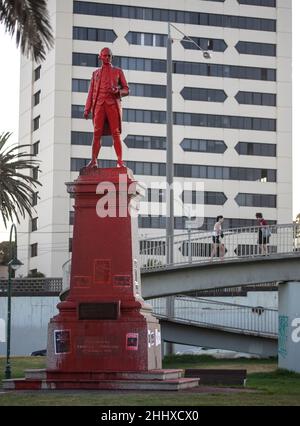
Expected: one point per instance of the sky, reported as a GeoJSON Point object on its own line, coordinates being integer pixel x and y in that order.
{"type": "Point", "coordinates": [9, 99]}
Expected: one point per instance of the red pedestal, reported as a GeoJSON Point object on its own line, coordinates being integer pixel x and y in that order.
{"type": "Point", "coordinates": [104, 324]}
{"type": "Point", "coordinates": [104, 336]}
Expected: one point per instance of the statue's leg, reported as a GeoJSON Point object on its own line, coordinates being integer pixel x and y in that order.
{"type": "Point", "coordinates": [114, 124]}
{"type": "Point", "coordinates": [98, 121]}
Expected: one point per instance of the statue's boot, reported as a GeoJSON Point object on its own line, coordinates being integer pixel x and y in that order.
{"type": "Point", "coordinates": [92, 163]}
{"type": "Point", "coordinates": [95, 153]}
{"type": "Point", "coordinates": [120, 163]}
{"type": "Point", "coordinates": [118, 149]}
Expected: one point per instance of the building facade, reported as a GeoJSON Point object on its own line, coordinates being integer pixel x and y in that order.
{"type": "Point", "coordinates": [232, 113]}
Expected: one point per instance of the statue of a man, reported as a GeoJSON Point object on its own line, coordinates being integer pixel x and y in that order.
{"type": "Point", "coordinates": [108, 85]}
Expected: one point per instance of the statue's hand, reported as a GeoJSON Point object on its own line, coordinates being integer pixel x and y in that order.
{"type": "Point", "coordinates": [115, 90]}
{"type": "Point", "coordinates": [86, 114]}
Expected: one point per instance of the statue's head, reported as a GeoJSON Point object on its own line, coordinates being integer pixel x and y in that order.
{"type": "Point", "coordinates": [105, 55]}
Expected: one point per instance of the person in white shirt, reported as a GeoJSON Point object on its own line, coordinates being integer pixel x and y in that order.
{"type": "Point", "coordinates": [217, 237]}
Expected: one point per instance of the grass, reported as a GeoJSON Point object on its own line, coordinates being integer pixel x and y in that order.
{"type": "Point", "coordinates": [266, 385]}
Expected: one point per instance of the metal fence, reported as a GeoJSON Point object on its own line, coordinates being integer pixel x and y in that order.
{"type": "Point", "coordinates": [32, 286]}
{"type": "Point", "coordinates": [196, 246]}
{"type": "Point", "coordinates": [256, 320]}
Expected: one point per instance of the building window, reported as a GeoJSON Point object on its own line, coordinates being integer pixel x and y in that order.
{"type": "Point", "coordinates": [267, 3]}
{"type": "Point", "coordinates": [94, 34]}
{"type": "Point", "coordinates": [33, 250]}
{"type": "Point", "coordinates": [255, 98]}
{"type": "Point", "coordinates": [204, 95]}
{"type": "Point", "coordinates": [155, 195]}
{"type": "Point", "coordinates": [70, 244]}
{"type": "Point", "coordinates": [256, 200]}
{"type": "Point", "coordinates": [225, 121]}
{"type": "Point", "coordinates": [168, 15]}
{"type": "Point", "coordinates": [203, 145]}
{"type": "Point", "coordinates": [253, 148]}
{"type": "Point", "coordinates": [34, 224]}
{"type": "Point", "coordinates": [147, 90]}
{"type": "Point", "coordinates": [206, 197]}
{"type": "Point", "coordinates": [77, 111]}
{"type": "Point", "coordinates": [251, 48]}
{"type": "Point", "coordinates": [180, 67]}
{"type": "Point", "coordinates": [35, 148]}
{"type": "Point", "coordinates": [188, 170]}
{"type": "Point", "coordinates": [146, 39]}
{"type": "Point", "coordinates": [192, 119]}
{"type": "Point", "coordinates": [213, 44]}
{"type": "Point", "coordinates": [145, 142]}
{"type": "Point", "coordinates": [159, 222]}
{"type": "Point", "coordinates": [80, 85]}
{"type": "Point", "coordinates": [36, 123]}
{"type": "Point", "coordinates": [36, 98]}
{"type": "Point", "coordinates": [34, 199]}
{"type": "Point", "coordinates": [86, 138]}
{"type": "Point", "coordinates": [37, 73]}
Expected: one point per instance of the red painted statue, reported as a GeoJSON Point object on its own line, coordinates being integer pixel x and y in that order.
{"type": "Point", "coordinates": [108, 85]}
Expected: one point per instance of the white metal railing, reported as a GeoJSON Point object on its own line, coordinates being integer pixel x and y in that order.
{"type": "Point", "coordinates": [195, 246]}
{"type": "Point", "coordinates": [215, 314]}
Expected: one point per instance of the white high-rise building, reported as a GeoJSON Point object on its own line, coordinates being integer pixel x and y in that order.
{"type": "Point", "coordinates": [232, 113]}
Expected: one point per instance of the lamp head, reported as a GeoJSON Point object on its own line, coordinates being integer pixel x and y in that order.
{"type": "Point", "coordinates": [15, 263]}
{"type": "Point", "coordinates": [206, 54]}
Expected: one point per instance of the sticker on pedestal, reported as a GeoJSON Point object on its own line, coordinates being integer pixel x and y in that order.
{"type": "Point", "coordinates": [132, 341]}
{"type": "Point", "coordinates": [122, 280]}
{"type": "Point", "coordinates": [62, 341]}
{"type": "Point", "coordinates": [82, 281]}
{"type": "Point", "coordinates": [102, 271]}
{"type": "Point", "coordinates": [157, 337]}
{"type": "Point", "coordinates": [151, 338]}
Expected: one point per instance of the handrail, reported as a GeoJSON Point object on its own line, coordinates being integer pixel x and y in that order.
{"type": "Point", "coordinates": [256, 320]}
{"type": "Point", "coordinates": [196, 246]}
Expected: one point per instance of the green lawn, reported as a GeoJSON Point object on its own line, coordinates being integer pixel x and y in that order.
{"type": "Point", "coordinates": [265, 386]}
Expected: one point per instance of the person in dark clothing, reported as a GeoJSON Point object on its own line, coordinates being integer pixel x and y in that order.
{"type": "Point", "coordinates": [263, 234]}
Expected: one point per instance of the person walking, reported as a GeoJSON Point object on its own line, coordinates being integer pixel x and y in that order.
{"type": "Point", "coordinates": [217, 237]}
{"type": "Point", "coordinates": [264, 234]}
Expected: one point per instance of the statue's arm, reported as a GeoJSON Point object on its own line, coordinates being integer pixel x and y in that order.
{"type": "Point", "coordinates": [88, 104]}
{"type": "Point", "coordinates": [124, 89]}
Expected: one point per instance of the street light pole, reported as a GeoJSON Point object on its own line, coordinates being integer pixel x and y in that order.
{"type": "Point", "coordinates": [13, 264]}
{"type": "Point", "coordinates": [169, 163]}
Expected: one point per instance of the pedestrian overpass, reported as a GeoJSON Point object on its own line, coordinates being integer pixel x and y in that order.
{"type": "Point", "coordinates": [192, 270]}
{"type": "Point", "coordinates": [190, 278]}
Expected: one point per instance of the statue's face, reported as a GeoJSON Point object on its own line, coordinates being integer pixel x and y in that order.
{"type": "Point", "coordinates": [106, 55]}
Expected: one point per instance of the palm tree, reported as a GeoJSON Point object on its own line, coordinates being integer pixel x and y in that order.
{"type": "Point", "coordinates": [16, 189]}
{"type": "Point", "coordinates": [29, 19]}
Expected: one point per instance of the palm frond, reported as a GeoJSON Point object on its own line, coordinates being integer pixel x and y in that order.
{"type": "Point", "coordinates": [29, 19]}
{"type": "Point", "coordinates": [16, 188]}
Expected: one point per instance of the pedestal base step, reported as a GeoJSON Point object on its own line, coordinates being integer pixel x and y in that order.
{"type": "Point", "coordinates": [150, 385]}
{"type": "Point", "coordinates": [169, 380]}
{"type": "Point", "coordinates": [43, 374]}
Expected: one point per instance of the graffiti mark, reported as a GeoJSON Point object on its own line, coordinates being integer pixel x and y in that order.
{"type": "Point", "coordinates": [283, 326]}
